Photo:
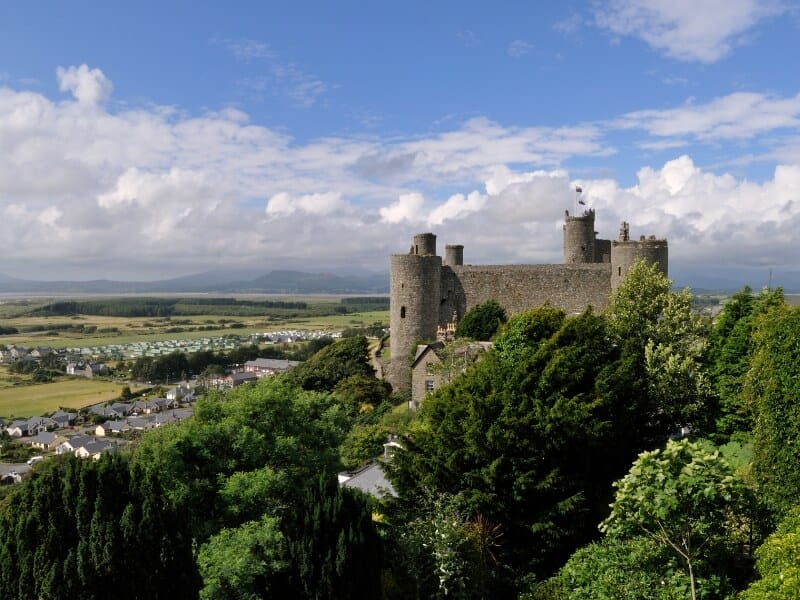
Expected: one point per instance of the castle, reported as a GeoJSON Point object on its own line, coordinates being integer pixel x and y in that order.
{"type": "Point", "coordinates": [427, 292]}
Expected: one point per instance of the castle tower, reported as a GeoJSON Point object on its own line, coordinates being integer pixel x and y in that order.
{"type": "Point", "coordinates": [579, 238]}
{"type": "Point", "coordinates": [414, 297]}
{"type": "Point", "coordinates": [454, 255]}
{"type": "Point", "coordinates": [625, 252]}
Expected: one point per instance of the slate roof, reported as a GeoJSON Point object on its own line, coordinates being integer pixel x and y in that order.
{"type": "Point", "coordinates": [371, 480]}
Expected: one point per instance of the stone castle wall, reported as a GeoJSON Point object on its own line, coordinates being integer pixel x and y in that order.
{"type": "Point", "coordinates": [517, 288]}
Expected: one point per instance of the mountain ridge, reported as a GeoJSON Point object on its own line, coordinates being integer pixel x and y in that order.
{"type": "Point", "coordinates": [275, 281]}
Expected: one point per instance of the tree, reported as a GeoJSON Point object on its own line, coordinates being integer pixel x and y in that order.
{"type": "Point", "coordinates": [523, 438]}
{"type": "Point", "coordinates": [631, 568]}
{"type": "Point", "coordinates": [778, 563]}
{"type": "Point", "coordinates": [684, 497]}
{"type": "Point", "coordinates": [334, 362]}
{"type": "Point", "coordinates": [771, 387]}
{"type": "Point", "coordinates": [674, 359]}
{"type": "Point", "coordinates": [334, 548]}
{"type": "Point", "coordinates": [663, 346]}
{"type": "Point", "coordinates": [731, 351]}
{"type": "Point", "coordinates": [245, 563]}
{"type": "Point", "coordinates": [79, 528]}
{"type": "Point", "coordinates": [482, 322]}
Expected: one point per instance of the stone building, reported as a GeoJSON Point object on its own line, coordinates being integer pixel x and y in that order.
{"type": "Point", "coordinates": [427, 292]}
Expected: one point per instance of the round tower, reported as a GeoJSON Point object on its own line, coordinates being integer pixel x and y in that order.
{"type": "Point", "coordinates": [454, 255]}
{"type": "Point", "coordinates": [414, 296]}
{"type": "Point", "coordinates": [579, 237]}
{"type": "Point", "coordinates": [424, 244]}
{"type": "Point", "coordinates": [625, 252]}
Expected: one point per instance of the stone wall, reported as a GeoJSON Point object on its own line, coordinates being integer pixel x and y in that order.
{"type": "Point", "coordinates": [516, 288]}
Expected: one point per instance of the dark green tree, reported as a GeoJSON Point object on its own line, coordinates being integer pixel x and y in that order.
{"type": "Point", "coordinates": [334, 548]}
{"type": "Point", "coordinates": [524, 438]}
{"type": "Point", "coordinates": [731, 352]}
{"type": "Point", "coordinates": [333, 363]}
{"type": "Point", "coordinates": [79, 528]}
{"type": "Point", "coordinates": [482, 322]}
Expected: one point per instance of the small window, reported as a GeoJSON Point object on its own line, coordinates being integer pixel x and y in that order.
{"type": "Point", "coordinates": [402, 312]}
{"type": "Point", "coordinates": [619, 271]}
{"type": "Point", "coordinates": [429, 385]}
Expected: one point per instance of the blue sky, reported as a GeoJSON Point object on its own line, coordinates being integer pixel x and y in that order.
{"type": "Point", "coordinates": [157, 139]}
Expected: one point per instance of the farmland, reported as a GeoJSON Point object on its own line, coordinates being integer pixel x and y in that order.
{"type": "Point", "coordinates": [34, 325]}
{"type": "Point", "coordinates": [32, 400]}
{"type": "Point", "coordinates": [115, 322]}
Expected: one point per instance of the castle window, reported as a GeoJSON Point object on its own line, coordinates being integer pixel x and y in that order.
{"type": "Point", "coordinates": [429, 385]}
{"type": "Point", "coordinates": [402, 312]}
{"type": "Point", "coordinates": [619, 271]}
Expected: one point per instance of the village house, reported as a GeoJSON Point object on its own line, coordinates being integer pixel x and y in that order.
{"type": "Point", "coordinates": [111, 427]}
{"type": "Point", "coordinates": [46, 440]}
{"type": "Point", "coordinates": [94, 449]}
{"type": "Point", "coordinates": [435, 364]}
{"type": "Point", "coordinates": [28, 427]}
{"type": "Point", "coordinates": [262, 367]}
{"type": "Point", "coordinates": [177, 393]}
{"type": "Point", "coordinates": [87, 370]}
{"type": "Point", "coordinates": [64, 419]}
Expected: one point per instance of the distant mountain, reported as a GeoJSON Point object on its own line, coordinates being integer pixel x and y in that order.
{"type": "Point", "coordinates": [296, 282]}
{"type": "Point", "coordinates": [229, 281]}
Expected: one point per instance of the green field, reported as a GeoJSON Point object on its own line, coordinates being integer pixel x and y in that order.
{"type": "Point", "coordinates": [134, 329]}
{"type": "Point", "coordinates": [35, 400]}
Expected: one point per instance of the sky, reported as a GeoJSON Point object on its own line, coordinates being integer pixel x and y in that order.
{"type": "Point", "coordinates": [149, 140]}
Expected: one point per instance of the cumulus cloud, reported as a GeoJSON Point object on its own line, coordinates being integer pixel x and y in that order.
{"type": "Point", "coordinates": [457, 206]}
{"type": "Point", "coordinates": [88, 86]}
{"type": "Point", "coordinates": [318, 204]}
{"type": "Point", "coordinates": [709, 219]}
{"type": "Point", "coordinates": [689, 30]}
{"type": "Point", "coordinates": [408, 207]}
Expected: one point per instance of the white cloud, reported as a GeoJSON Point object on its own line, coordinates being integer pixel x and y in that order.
{"type": "Point", "coordinates": [88, 86]}
{"type": "Point", "coordinates": [318, 204]}
{"type": "Point", "coordinates": [457, 206]}
{"type": "Point", "coordinates": [708, 218]}
{"type": "Point", "coordinates": [739, 115]}
{"type": "Point", "coordinates": [287, 79]}
{"type": "Point", "coordinates": [570, 24]}
{"type": "Point", "coordinates": [688, 30]}
{"type": "Point", "coordinates": [408, 207]}
{"type": "Point", "coordinates": [518, 48]}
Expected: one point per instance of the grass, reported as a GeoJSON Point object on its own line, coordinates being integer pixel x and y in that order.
{"type": "Point", "coordinates": [35, 400]}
